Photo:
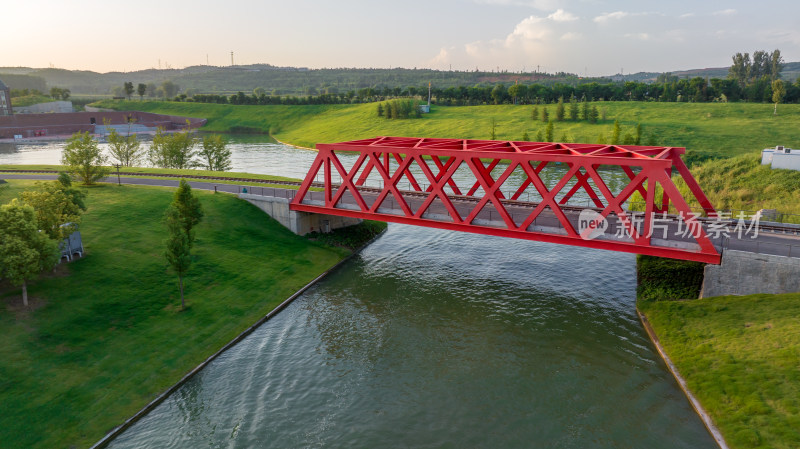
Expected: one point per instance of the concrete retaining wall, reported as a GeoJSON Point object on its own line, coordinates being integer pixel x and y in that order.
{"type": "Point", "coordinates": [301, 223]}
{"type": "Point", "coordinates": [45, 108]}
{"type": "Point", "coordinates": [743, 273]}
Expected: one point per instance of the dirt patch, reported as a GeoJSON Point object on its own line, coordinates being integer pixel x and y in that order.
{"type": "Point", "coordinates": [13, 303]}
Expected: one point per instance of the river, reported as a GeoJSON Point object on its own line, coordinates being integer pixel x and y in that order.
{"type": "Point", "coordinates": [433, 339]}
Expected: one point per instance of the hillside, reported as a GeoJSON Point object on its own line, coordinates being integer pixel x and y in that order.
{"type": "Point", "coordinates": [721, 129]}
{"type": "Point", "coordinates": [300, 81]}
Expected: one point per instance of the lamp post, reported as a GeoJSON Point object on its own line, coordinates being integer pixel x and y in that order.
{"type": "Point", "coordinates": [119, 183]}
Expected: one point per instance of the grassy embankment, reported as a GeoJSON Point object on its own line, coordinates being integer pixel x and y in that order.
{"type": "Point", "coordinates": [28, 100]}
{"type": "Point", "coordinates": [104, 335]}
{"type": "Point", "coordinates": [740, 356]}
{"type": "Point", "coordinates": [718, 128]}
{"type": "Point", "coordinates": [147, 172]}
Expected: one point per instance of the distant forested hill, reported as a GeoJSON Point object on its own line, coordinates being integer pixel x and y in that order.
{"type": "Point", "coordinates": [303, 81]}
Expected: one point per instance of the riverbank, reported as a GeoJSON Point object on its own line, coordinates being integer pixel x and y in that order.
{"type": "Point", "coordinates": [711, 128]}
{"type": "Point", "coordinates": [104, 335]}
{"type": "Point", "coordinates": [739, 356]}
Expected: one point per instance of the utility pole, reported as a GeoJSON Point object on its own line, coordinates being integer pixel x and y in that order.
{"type": "Point", "coordinates": [231, 59]}
{"type": "Point", "coordinates": [207, 59]}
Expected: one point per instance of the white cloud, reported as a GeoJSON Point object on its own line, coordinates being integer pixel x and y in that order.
{"type": "Point", "coordinates": [639, 36]}
{"type": "Point", "coordinates": [530, 29]}
{"type": "Point", "coordinates": [570, 36]}
{"type": "Point", "coordinates": [442, 57]}
{"type": "Point", "coordinates": [562, 16]}
{"type": "Point", "coordinates": [603, 18]}
{"type": "Point", "coordinates": [725, 12]}
{"type": "Point", "coordinates": [543, 5]}
{"type": "Point", "coordinates": [686, 16]}
{"type": "Point", "coordinates": [618, 15]}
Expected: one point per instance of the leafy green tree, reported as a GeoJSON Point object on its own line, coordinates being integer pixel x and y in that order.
{"type": "Point", "coordinates": [169, 88]}
{"type": "Point", "coordinates": [585, 111]}
{"type": "Point", "coordinates": [545, 115]}
{"type": "Point", "coordinates": [188, 208]}
{"type": "Point", "coordinates": [539, 136]}
{"type": "Point", "coordinates": [548, 132]}
{"type": "Point", "coordinates": [515, 91]}
{"type": "Point", "coordinates": [128, 86]}
{"type": "Point", "coordinates": [526, 137]}
{"type": "Point", "coordinates": [594, 114]}
{"type": "Point", "coordinates": [141, 89]}
{"type": "Point", "coordinates": [24, 251]}
{"type": "Point", "coordinates": [178, 252]}
{"type": "Point", "coordinates": [628, 139]}
{"type": "Point", "coordinates": [778, 92]}
{"type": "Point", "coordinates": [58, 214]}
{"type": "Point", "coordinates": [173, 150]}
{"type": "Point", "coordinates": [494, 130]}
{"type": "Point", "coordinates": [615, 133]}
{"type": "Point", "coordinates": [65, 93]}
{"type": "Point", "coordinates": [380, 109]}
{"type": "Point", "coordinates": [151, 90]}
{"type": "Point", "coordinates": [499, 94]}
{"type": "Point", "coordinates": [776, 65]}
{"type": "Point", "coordinates": [55, 92]}
{"type": "Point", "coordinates": [214, 153]}
{"type": "Point", "coordinates": [535, 113]}
{"type": "Point", "coordinates": [573, 109]}
{"type": "Point", "coordinates": [83, 159]}
{"type": "Point", "coordinates": [560, 110]}
{"type": "Point", "coordinates": [740, 69]}
{"type": "Point", "coordinates": [125, 149]}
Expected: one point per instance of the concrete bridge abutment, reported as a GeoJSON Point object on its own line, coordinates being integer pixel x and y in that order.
{"type": "Point", "coordinates": [746, 273]}
{"type": "Point", "coordinates": [301, 223]}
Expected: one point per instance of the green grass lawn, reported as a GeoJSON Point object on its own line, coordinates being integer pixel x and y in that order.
{"type": "Point", "coordinates": [105, 334]}
{"type": "Point", "coordinates": [28, 100]}
{"type": "Point", "coordinates": [716, 128]}
{"type": "Point", "coordinates": [740, 355]}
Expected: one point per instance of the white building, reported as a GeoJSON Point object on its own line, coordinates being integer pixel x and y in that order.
{"type": "Point", "coordinates": [781, 157]}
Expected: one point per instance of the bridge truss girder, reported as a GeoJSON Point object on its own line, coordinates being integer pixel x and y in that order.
{"type": "Point", "coordinates": [647, 168]}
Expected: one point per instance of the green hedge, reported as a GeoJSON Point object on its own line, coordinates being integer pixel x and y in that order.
{"type": "Point", "coordinates": [659, 279]}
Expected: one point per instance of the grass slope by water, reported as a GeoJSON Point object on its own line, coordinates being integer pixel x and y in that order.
{"type": "Point", "coordinates": [743, 183]}
{"type": "Point", "coordinates": [105, 334]}
{"type": "Point", "coordinates": [740, 356]}
{"type": "Point", "coordinates": [725, 129]}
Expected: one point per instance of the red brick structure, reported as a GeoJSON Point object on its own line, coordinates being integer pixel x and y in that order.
{"type": "Point", "coordinates": [38, 125]}
{"type": "Point", "coordinates": [5, 100]}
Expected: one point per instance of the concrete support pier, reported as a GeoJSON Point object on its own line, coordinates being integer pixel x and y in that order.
{"type": "Point", "coordinates": [301, 223]}
{"type": "Point", "coordinates": [744, 273]}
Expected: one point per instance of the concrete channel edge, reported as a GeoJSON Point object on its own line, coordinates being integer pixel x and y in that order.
{"type": "Point", "coordinates": [111, 435]}
{"type": "Point", "coordinates": [698, 408]}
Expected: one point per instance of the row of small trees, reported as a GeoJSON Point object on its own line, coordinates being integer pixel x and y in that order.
{"type": "Point", "coordinates": [585, 112]}
{"type": "Point", "coordinates": [634, 136]}
{"type": "Point", "coordinates": [86, 161]}
{"type": "Point", "coordinates": [399, 109]}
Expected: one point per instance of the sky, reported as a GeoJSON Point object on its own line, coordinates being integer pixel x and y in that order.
{"type": "Point", "coordinates": [586, 37]}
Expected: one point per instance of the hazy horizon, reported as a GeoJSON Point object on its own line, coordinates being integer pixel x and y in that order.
{"type": "Point", "coordinates": [585, 37]}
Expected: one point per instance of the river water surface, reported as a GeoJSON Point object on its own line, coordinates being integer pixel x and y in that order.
{"type": "Point", "coordinates": [434, 339]}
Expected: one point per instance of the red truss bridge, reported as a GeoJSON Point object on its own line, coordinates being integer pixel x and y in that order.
{"type": "Point", "coordinates": [523, 190]}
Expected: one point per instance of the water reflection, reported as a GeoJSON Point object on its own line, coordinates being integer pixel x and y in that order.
{"type": "Point", "coordinates": [433, 338]}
